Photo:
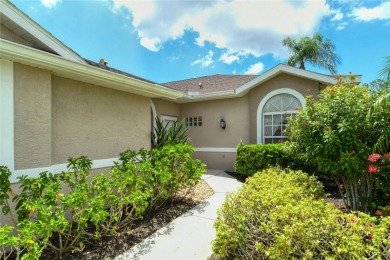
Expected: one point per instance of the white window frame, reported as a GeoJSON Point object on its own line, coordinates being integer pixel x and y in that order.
{"type": "Point", "coordinates": [199, 121]}
{"type": "Point", "coordinates": [299, 96]}
{"type": "Point", "coordinates": [167, 119]}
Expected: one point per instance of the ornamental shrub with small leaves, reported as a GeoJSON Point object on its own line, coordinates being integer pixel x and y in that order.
{"type": "Point", "coordinates": [174, 170]}
{"type": "Point", "coordinates": [334, 131]}
{"type": "Point", "coordinates": [282, 214]}
{"type": "Point", "coordinates": [96, 207]}
{"type": "Point", "coordinates": [168, 169]}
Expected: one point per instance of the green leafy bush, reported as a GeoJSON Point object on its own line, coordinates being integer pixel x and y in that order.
{"type": "Point", "coordinates": [42, 206]}
{"type": "Point", "coordinates": [40, 213]}
{"type": "Point", "coordinates": [335, 132]}
{"type": "Point", "coordinates": [120, 198]}
{"type": "Point", "coordinates": [8, 241]}
{"type": "Point", "coordinates": [282, 214]}
{"type": "Point", "coordinates": [168, 169]}
{"type": "Point", "coordinates": [252, 158]}
{"type": "Point", "coordinates": [99, 206]}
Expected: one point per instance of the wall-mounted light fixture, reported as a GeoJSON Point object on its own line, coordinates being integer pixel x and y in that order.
{"type": "Point", "coordinates": [222, 123]}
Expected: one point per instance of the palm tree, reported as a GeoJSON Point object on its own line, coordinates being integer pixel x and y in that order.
{"type": "Point", "coordinates": [315, 50]}
{"type": "Point", "coordinates": [385, 71]}
{"type": "Point", "coordinates": [383, 102]}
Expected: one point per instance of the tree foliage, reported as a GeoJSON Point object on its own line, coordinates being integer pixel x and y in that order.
{"type": "Point", "coordinates": [316, 50]}
{"type": "Point", "coordinates": [385, 71]}
{"type": "Point", "coordinates": [334, 131]}
{"type": "Point", "coordinates": [382, 104]}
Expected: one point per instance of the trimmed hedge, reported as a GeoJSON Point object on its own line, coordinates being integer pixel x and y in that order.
{"type": "Point", "coordinates": [282, 214]}
{"type": "Point", "coordinates": [252, 158]}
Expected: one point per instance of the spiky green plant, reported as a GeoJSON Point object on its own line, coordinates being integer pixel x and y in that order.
{"type": "Point", "coordinates": [164, 134]}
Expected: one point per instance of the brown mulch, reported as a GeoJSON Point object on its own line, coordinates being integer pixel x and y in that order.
{"type": "Point", "coordinates": [338, 202]}
{"type": "Point", "coordinates": [116, 245]}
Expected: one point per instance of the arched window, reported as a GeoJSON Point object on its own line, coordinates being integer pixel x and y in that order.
{"type": "Point", "coordinates": [276, 111]}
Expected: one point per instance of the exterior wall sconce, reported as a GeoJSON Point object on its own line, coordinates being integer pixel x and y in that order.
{"type": "Point", "coordinates": [222, 123]}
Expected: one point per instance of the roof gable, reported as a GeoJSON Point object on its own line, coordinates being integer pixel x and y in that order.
{"type": "Point", "coordinates": [279, 69]}
{"type": "Point", "coordinates": [23, 26]}
{"type": "Point", "coordinates": [230, 86]}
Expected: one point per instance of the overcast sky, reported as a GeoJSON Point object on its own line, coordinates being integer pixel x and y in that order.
{"type": "Point", "coordinates": [170, 40]}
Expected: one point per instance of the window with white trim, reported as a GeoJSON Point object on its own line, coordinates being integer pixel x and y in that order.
{"type": "Point", "coordinates": [194, 121]}
{"type": "Point", "coordinates": [168, 120]}
{"type": "Point", "coordinates": [276, 112]}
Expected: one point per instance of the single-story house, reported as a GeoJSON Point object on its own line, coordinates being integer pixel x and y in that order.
{"type": "Point", "coordinates": [54, 104]}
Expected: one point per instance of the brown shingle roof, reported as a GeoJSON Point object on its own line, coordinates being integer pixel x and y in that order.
{"type": "Point", "coordinates": [95, 64]}
{"type": "Point", "coordinates": [209, 84]}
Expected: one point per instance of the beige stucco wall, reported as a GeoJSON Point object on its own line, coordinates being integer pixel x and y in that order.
{"type": "Point", "coordinates": [56, 118]}
{"type": "Point", "coordinates": [167, 108]}
{"type": "Point", "coordinates": [96, 121]}
{"type": "Point", "coordinates": [303, 86]}
{"type": "Point", "coordinates": [7, 34]}
{"type": "Point", "coordinates": [217, 160]}
{"type": "Point", "coordinates": [235, 113]}
{"type": "Point", "coordinates": [210, 135]}
{"type": "Point", "coordinates": [32, 106]}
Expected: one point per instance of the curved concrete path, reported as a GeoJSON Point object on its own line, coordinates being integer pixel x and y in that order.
{"type": "Point", "coordinates": [189, 236]}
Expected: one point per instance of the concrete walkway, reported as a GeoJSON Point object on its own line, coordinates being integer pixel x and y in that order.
{"type": "Point", "coordinates": [189, 236]}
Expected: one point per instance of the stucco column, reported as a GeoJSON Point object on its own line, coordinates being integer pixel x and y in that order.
{"type": "Point", "coordinates": [7, 114]}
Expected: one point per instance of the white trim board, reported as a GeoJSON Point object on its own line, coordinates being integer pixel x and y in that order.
{"type": "Point", "coordinates": [216, 149]}
{"type": "Point", "coordinates": [57, 168]}
{"type": "Point", "coordinates": [7, 114]}
{"type": "Point", "coordinates": [80, 72]}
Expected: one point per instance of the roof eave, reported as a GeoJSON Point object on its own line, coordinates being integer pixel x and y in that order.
{"type": "Point", "coordinates": [38, 32]}
{"type": "Point", "coordinates": [188, 98]}
{"type": "Point", "coordinates": [86, 73]}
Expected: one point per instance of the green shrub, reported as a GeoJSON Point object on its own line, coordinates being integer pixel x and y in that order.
{"type": "Point", "coordinates": [252, 158]}
{"type": "Point", "coordinates": [41, 208]}
{"type": "Point", "coordinates": [336, 133]}
{"type": "Point", "coordinates": [169, 168]}
{"type": "Point", "coordinates": [9, 243]}
{"type": "Point", "coordinates": [120, 198]}
{"type": "Point", "coordinates": [104, 205]}
{"type": "Point", "coordinates": [283, 215]}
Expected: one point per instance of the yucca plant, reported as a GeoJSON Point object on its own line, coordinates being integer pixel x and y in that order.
{"type": "Point", "coordinates": [164, 134]}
